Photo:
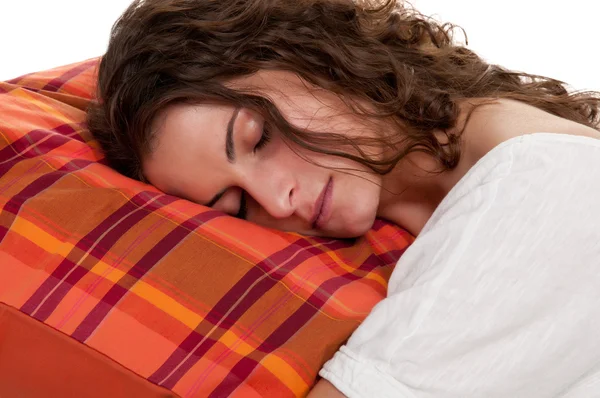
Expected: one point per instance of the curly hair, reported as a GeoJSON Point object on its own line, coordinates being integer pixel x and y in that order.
{"type": "Point", "coordinates": [404, 65]}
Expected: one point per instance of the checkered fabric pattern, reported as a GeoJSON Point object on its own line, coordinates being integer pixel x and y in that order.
{"type": "Point", "coordinates": [189, 298]}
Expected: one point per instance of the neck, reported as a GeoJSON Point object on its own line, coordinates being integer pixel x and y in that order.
{"type": "Point", "coordinates": [415, 188]}
{"type": "Point", "coordinates": [410, 194]}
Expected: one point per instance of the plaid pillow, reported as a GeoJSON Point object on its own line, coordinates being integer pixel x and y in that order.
{"type": "Point", "coordinates": [189, 298]}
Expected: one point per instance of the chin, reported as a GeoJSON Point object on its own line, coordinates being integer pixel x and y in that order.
{"type": "Point", "coordinates": [352, 229]}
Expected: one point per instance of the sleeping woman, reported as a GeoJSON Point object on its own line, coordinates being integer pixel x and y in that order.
{"type": "Point", "coordinates": [319, 116]}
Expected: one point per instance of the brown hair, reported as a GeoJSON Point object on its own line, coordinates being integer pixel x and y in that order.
{"type": "Point", "coordinates": [399, 62]}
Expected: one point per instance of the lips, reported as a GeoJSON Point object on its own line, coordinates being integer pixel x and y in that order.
{"type": "Point", "coordinates": [322, 206]}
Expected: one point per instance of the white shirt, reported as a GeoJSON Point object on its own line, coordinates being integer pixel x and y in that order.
{"type": "Point", "coordinates": [499, 296]}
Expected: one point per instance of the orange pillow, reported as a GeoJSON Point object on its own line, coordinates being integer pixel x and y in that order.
{"type": "Point", "coordinates": [188, 298]}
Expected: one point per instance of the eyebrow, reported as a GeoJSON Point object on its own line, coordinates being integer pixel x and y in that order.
{"type": "Point", "coordinates": [229, 147]}
{"type": "Point", "coordinates": [229, 150]}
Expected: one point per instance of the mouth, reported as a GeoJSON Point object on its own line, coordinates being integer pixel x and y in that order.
{"type": "Point", "coordinates": [322, 206]}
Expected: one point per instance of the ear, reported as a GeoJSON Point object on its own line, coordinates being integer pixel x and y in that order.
{"type": "Point", "coordinates": [443, 137]}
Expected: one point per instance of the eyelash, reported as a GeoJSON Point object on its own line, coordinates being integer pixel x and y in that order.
{"type": "Point", "coordinates": [264, 138]}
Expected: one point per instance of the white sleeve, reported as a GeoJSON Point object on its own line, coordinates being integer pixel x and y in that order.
{"type": "Point", "coordinates": [499, 296]}
{"type": "Point", "coordinates": [356, 377]}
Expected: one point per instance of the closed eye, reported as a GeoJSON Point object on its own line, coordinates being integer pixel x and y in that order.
{"type": "Point", "coordinates": [264, 138]}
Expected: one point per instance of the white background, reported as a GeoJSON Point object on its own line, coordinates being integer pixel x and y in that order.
{"type": "Point", "coordinates": [554, 38]}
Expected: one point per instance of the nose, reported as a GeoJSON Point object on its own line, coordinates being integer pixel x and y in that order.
{"type": "Point", "coordinates": [273, 188]}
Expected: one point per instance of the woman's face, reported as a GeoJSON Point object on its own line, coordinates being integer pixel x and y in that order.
{"type": "Point", "coordinates": [230, 159]}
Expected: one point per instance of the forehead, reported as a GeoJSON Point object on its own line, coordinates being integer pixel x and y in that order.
{"type": "Point", "coordinates": [189, 139]}
{"type": "Point", "coordinates": [188, 123]}
{"type": "Point", "coordinates": [293, 96]}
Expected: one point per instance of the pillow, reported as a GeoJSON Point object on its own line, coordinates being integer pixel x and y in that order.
{"type": "Point", "coordinates": [188, 298]}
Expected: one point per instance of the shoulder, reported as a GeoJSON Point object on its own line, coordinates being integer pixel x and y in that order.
{"type": "Point", "coordinates": [493, 122]}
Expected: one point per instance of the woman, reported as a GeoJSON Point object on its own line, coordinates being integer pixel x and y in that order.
{"type": "Point", "coordinates": [317, 116]}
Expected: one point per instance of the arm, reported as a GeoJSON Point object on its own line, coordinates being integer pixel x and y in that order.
{"type": "Point", "coordinates": [324, 389]}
